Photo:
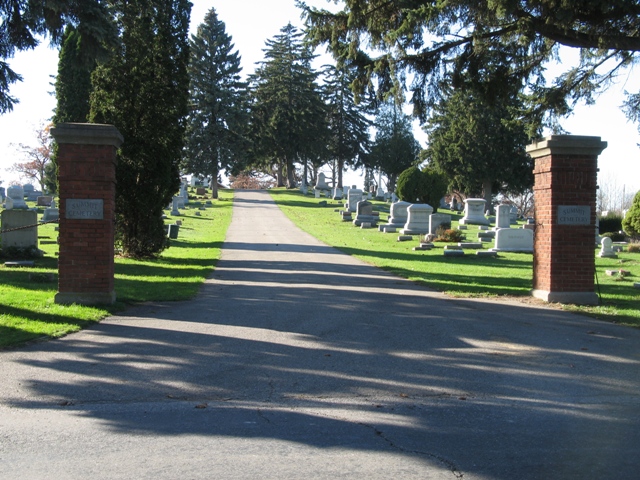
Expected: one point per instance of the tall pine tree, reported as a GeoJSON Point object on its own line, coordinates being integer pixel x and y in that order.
{"type": "Point", "coordinates": [217, 116]}
{"type": "Point", "coordinates": [348, 126]}
{"type": "Point", "coordinates": [395, 148]}
{"type": "Point", "coordinates": [143, 90]}
{"type": "Point", "coordinates": [287, 109]}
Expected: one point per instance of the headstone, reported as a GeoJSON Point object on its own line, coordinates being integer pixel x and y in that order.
{"type": "Point", "coordinates": [15, 198]}
{"type": "Point", "coordinates": [27, 188]}
{"type": "Point", "coordinates": [201, 191]}
{"type": "Point", "coordinates": [337, 193]}
{"type": "Point", "coordinates": [23, 238]}
{"type": "Point", "coordinates": [513, 240]}
{"type": "Point", "coordinates": [354, 196]}
{"type": "Point", "coordinates": [345, 191]}
{"type": "Point", "coordinates": [33, 196]}
{"type": "Point", "coordinates": [44, 201]}
{"type": "Point", "coordinates": [50, 214]}
{"type": "Point", "coordinates": [380, 194]}
{"type": "Point", "coordinates": [606, 248]}
{"type": "Point", "coordinates": [394, 197]}
{"type": "Point", "coordinates": [175, 206]}
{"type": "Point", "coordinates": [2, 194]}
{"type": "Point", "coordinates": [437, 219]}
{"type": "Point", "coordinates": [304, 189]}
{"type": "Point", "coordinates": [503, 216]}
{"type": "Point", "coordinates": [316, 192]}
{"type": "Point", "coordinates": [514, 215]}
{"type": "Point", "coordinates": [321, 184]}
{"type": "Point", "coordinates": [364, 214]}
{"type": "Point", "coordinates": [184, 193]}
{"type": "Point", "coordinates": [417, 219]}
{"type": "Point", "coordinates": [474, 212]}
{"type": "Point", "coordinates": [398, 214]}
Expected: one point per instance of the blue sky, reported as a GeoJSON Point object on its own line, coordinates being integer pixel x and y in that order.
{"type": "Point", "coordinates": [250, 23]}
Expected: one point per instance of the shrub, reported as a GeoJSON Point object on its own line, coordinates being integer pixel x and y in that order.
{"type": "Point", "coordinates": [20, 253]}
{"type": "Point", "coordinates": [633, 248]}
{"type": "Point", "coordinates": [448, 235]}
{"type": "Point", "coordinates": [610, 223]}
{"type": "Point", "coordinates": [615, 236]}
{"type": "Point", "coordinates": [427, 186]}
{"type": "Point", "coordinates": [631, 221]}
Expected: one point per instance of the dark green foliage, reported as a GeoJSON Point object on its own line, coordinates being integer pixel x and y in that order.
{"type": "Point", "coordinates": [410, 185]}
{"type": "Point", "coordinates": [426, 186]}
{"type": "Point", "coordinates": [287, 112]}
{"type": "Point", "coordinates": [395, 148]}
{"type": "Point", "coordinates": [348, 127]}
{"type": "Point", "coordinates": [143, 91]}
{"type": "Point", "coordinates": [610, 223]}
{"type": "Point", "coordinates": [20, 253]}
{"type": "Point", "coordinates": [73, 82]}
{"type": "Point", "coordinates": [615, 236]}
{"type": "Point", "coordinates": [480, 145]}
{"type": "Point", "coordinates": [631, 221]}
{"type": "Point", "coordinates": [214, 138]}
{"type": "Point", "coordinates": [24, 20]}
{"type": "Point", "coordinates": [438, 41]}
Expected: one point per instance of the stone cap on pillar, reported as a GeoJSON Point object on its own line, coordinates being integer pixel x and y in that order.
{"type": "Point", "coordinates": [566, 145]}
{"type": "Point", "coordinates": [87, 134]}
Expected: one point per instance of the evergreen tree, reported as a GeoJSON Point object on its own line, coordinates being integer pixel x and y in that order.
{"type": "Point", "coordinates": [287, 109]}
{"type": "Point", "coordinates": [434, 40]}
{"type": "Point", "coordinates": [73, 89]}
{"type": "Point", "coordinates": [143, 90]}
{"type": "Point", "coordinates": [395, 148]}
{"type": "Point", "coordinates": [348, 126]}
{"type": "Point", "coordinates": [24, 20]}
{"type": "Point", "coordinates": [480, 145]}
{"type": "Point", "coordinates": [631, 221]}
{"type": "Point", "coordinates": [73, 82]}
{"type": "Point", "coordinates": [217, 105]}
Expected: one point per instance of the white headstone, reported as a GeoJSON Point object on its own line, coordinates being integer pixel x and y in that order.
{"type": "Point", "coordinates": [175, 205]}
{"type": "Point", "coordinates": [503, 216]}
{"type": "Point", "coordinates": [337, 193]}
{"type": "Point", "coordinates": [398, 214]}
{"type": "Point", "coordinates": [353, 197]}
{"type": "Point", "coordinates": [417, 219]}
{"type": "Point", "coordinates": [16, 194]}
{"type": "Point", "coordinates": [513, 240]}
{"type": "Point", "coordinates": [514, 215]}
{"type": "Point", "coordinates": [606, 248]}
{"type": "Point", "coordinates": [474, 212]}
{"type": "Point", "coordinates": [322, 183]}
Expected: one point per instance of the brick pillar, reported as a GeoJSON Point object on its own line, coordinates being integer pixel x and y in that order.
{"type": "Point", "coordinates": [87, 178]}
{"type": "Point", "coordinates": [565, 200]}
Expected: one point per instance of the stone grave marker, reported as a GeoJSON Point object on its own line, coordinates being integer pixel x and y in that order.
{"type": "Point", "coordinates": [417, 219]}
{"type": "Point", "coordinates": [474, 212]}
{"type": "Point", "coordinates": [513, 240]}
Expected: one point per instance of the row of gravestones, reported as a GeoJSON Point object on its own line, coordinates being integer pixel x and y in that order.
{"type": "Point", "coordinates": [419, 219]}
{"type": "Point", "coordinates": [17, 216]}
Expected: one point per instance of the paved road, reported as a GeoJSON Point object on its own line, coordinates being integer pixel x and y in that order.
{"type": "Point", "coordinates": [298, 361]}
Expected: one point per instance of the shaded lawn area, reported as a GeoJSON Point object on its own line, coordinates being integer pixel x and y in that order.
{"type": "Point", "coordinates": [509, 274]}
{"type": "Point", "coordinates": [27, 308]}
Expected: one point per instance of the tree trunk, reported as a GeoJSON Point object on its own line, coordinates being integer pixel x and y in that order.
{"type": "Point", "coordinates": [339, 172]}
{"type": "Point", "coordinates": [214, 182]}
{"type": "Point", "coordinates": [487, 194]}
{"type": "Point", "coordinates": [279, 176]}
{"type": "Point", "coordinates": [291, 178]}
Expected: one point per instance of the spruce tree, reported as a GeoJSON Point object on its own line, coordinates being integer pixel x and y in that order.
{"type": "Point", "coordinates": [143, 90]}
{"type": "Point", "coordinates": [348, 125]}
{"type": "Point", "coordinates": [287, 109]}
{"type": "Point", "coordinates": [395, 148]}
{"type": "Point", "coordinates": [217, 116]}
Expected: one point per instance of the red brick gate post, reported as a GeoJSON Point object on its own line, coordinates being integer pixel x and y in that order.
{"type": "Point", "coordinates": [87, 178]}
{"type": "Point", "coordinates": [566, 170]}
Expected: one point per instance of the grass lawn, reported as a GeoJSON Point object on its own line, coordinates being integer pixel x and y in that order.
{"type": "Point", "coordinates": [27, 310]}
{"type": "Point", "coordinates": [509, 274]}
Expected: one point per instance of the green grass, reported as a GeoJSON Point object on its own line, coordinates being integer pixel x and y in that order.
{"type": "Point", "coordinates": [27, 308]}
{"type": "Point", "coordinates": [509, 274]}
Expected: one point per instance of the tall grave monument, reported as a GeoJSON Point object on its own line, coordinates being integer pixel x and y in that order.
{"type": "Point", "coordinates": [565, 195]}
{"type": "Point", "coordinates": [87, 177]}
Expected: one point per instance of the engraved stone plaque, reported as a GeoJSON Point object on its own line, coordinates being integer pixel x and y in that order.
{"type": "Point", "coordinates": [574, 215]}
{"type": "Point", "coordinates": [84, 209]}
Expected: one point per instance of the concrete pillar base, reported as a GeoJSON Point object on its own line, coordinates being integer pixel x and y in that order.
{"type": "Point", "coordinates": [84, 298]}
{"type": "Point", "coordinates": [573, 298]}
